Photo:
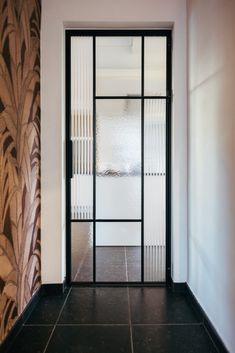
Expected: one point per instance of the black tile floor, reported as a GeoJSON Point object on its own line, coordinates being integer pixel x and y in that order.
{"type": "Point", "coordinates": [114, 320]}
{"type": "Point", "coordinates": [118, 264]}
{"type": "Point", "coordinates": [113, 264]}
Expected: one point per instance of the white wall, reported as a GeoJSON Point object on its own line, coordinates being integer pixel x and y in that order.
{"type": "Point", "coordinates": [56, 15]}
{"type": "Point", "coordinates": [211, 161]}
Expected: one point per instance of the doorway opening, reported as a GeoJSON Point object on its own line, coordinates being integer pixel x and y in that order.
{"type": "Point", "coordinates": [118, 156]}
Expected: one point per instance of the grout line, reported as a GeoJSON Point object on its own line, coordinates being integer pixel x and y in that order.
{"type": "Point", "coordinates": [80, 266]}
{"type": "Point", "coordinates": [92, 325]}
{"type": "Point", "coordinates": [47, 325]}
{"type": "Point", "coordinates": [171, 324]}
{"type": "Point", "coordinates": [130, 325]}
{"type": "Point", "coordinates": [63, 306]}
{"type": "Point", "coordinates": [127, 279]}
{"type": "Point", "coordinates": [127, 324]}
{"type": "Point", "coordinates": [49, 339]}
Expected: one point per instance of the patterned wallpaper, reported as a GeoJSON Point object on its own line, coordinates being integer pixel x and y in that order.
{"type": "Point", "coordinates": [19, 157]}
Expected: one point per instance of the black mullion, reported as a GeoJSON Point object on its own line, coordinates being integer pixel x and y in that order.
{"type": "Point", "coordinates": [131, 97]}
{"type": "Point", "coordinates": [142, 160]}
{"type": "Point", "coordinates": [119, 284]}
{"type": "Point", "coordinates": [119, 220]}
{"type": "Point", "coordinates": [68, 156]}
{"type": "Point", "coordinates": [119, 32]}
{"type": "Point", "coordinates": [106, 220]}
{"type": "Point", "coordinates": [94, 159]}
{"type": "Point", "coordinates": [81, 220]}
{"type": "Point", "coordinates": [168, 66]}
{"type": "Point", "coordinates": [168, 159]}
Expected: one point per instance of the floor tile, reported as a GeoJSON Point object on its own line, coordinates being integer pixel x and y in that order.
{"type": "Point", "coordinates": [96, 305]}
{"type": "Point", "coordinates": [110, 264]}
{"type": "Point", "coordinates": [134, 273]}
{"type": "Point", "coordinates": [84, 272]}
{"type": "Point", "coordinates": [82, 251]}
{"type": "Point", "coordinates": [133, 257]}
{"type": "Point", "coordinates": [133, 254]}
{"type": "Point", "coordinates": [111, 273]}
{"type": "Point", "coordinates": [47, 310]}
{"type": "Point", "coordinates": [107, 254]}
{"type": "Point", "coordinates": [159, 305]}
{"type": "Point", "coordinates": [172, 339]}
{"type": "Point", "coordinates": [113, 264]}
{"type": "Point", "coordinates": [90, 339]}
{"type": "Point", "coordinates": [31, 339]}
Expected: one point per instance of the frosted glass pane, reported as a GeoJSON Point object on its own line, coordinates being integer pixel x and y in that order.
{"type": "Point", "coordinates": [81, 127]}
{"type": "Point", "coordinates": [118, 159]}
{"type": "Point", "coordinates": [155, 66]}
{"type": "Point", "coordinates": [118, 66]}
{"type": "Point", "coordinates": [118, 251]}
{"type": "Point", "coordinates": [154, 190]}
{"type": "Point", "coordinates": [82, 251]}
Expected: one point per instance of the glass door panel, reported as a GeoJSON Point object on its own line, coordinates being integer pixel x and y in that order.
{"type": "Point", "coordinates": [118, 66]}
{"type": "Point", "coordinates": [118, 251]}
{"type": "Point", "coordinates": [82, 254]}
{"type": "Point", "coordinates": [82, 127]}
{"type": "Point", "coordinates": [155, 66]}
{"type": "Point", "coordinates": [154, 190]}
{"type": "Point", "coordinates": [118, 159]}
{"type": "Point", "coordinates": [118, 179]}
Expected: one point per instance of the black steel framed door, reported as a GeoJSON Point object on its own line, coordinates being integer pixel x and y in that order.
{"type": "Point", "coordinates": [118, 156]}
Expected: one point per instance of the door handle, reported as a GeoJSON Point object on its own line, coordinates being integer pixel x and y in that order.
{"type": "Point", "coordinates": [70, 159]}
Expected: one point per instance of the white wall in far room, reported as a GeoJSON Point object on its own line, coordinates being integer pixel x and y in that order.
{"type": "Point", "coordinates": [211, 161]}
{"type": "Point", "coordinates": [56, 16]}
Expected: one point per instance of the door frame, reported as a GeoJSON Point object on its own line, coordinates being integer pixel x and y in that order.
{"type": "Point", "coordinates": [168, 98]}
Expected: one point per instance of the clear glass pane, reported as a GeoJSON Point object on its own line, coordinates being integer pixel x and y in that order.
{"type": "Point", "coordinates": [155, 66]}
{"type": "Point", "coordinates": [118, 66]}
{"type": "Point", "coordinates": [154, 190]}
{"type": "Point", "coordinates": [118, 159]}
{"type": "Point", "coordinates": [118, 251]}
{"type": "Point", "coordinates": [82, 251]}
{"type": "Point", "coordinates": [81, 127]}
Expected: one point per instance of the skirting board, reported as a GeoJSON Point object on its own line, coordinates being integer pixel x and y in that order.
{"type": "Point", "coordinates": [4, 346]}
{"type": "Point", "coordinates": [184, 288]}
{"type": "Point", "coordinates": [52, 289]}
{"type": "Point", "coordinates": [44, 290]}
{"type": "Point", "coordinates": [205, 320]}
{"type": "Point", "coordinates": [58, 288]}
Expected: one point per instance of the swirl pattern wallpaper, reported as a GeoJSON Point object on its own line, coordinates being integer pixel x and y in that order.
{"type": "Point", "coordinates": [19, 157]}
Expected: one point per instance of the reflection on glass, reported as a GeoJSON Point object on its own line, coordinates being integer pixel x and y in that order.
{"type": "Point", "coordinates": [118, 251]}
{"type": "Point", "coordinates": [155, 66]}
{"type": "Point", "coordinates": [81, 127]}
{"type": "Point", "coordinates": [154, 190]}
{"type": "Point", "coordinates": [82, 251]}
{"type": "Point", "coordinates": [118, 159]}
{"type": "Point", "coordinates": [118, 66]}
